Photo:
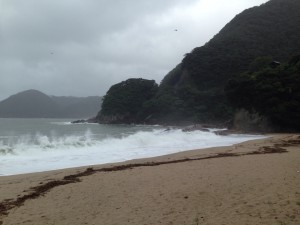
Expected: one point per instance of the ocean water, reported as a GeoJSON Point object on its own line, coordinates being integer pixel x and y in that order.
{"type": "Point", "coordinates": [35, 145]}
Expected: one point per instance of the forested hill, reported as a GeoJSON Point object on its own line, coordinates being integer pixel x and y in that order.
{"type": "Point", "coordinates": [267, 97]}
{"type": "Point", "coordinates": [35, 104]}
{"type": "Point", "coordinates": [194, 90]}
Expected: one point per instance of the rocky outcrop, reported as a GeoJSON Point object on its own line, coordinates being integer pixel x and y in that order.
{"type": "Point", "coordinates": [126, 101]}
{"type": "Point", "coordinates": [116, 119]}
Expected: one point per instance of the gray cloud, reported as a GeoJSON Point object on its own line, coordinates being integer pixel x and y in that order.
{"type": "Point", "coordinates": [82, 47]}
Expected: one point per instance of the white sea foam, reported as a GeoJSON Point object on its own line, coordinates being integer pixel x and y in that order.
{"type": "Point", "coordinates": [63, 123]}
{"type": "Point", "coordinates": [36, 153]}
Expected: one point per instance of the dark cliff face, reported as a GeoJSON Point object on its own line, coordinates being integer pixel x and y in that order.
{"type": "Point", "coordinates": [194, 90]}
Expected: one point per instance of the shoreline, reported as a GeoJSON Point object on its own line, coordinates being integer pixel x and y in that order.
{"type": "Point", "coordinates": [167, 155]}
{"type": "Point", "coordinates": [153, 143]}
{"type": "Point", "coordinates": [18, 192]}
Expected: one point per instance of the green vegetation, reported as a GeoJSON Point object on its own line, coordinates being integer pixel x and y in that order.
{"type": "Point", "coordinates": [123, 103]}
{"type": "Point", "coordinates": [273, 92]}
{"type": "Point", "coordinates": [194, 90]}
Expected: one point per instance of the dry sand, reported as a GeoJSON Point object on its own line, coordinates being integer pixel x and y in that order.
{"type": "Point", "coordinates": [255, 182]}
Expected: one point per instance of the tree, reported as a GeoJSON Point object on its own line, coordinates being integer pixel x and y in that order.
{"type": "Point", "coordinates": [272, 92]}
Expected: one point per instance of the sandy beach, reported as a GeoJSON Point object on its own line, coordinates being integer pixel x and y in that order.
{"type": "Point", "coordinates": [255, 182]}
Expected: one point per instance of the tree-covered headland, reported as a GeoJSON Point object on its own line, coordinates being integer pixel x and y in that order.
{"type": "Point", "coordinates": [194, 91]}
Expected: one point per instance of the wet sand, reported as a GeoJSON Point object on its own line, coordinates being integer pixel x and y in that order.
{"type": "Point", "coordinates": [255, 182]}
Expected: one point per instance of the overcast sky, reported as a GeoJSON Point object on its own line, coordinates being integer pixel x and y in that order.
{"type": "Point", "coordinates": [82, 47]}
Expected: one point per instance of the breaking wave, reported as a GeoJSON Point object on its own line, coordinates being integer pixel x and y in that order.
{"type": "Point", "coordinates": [33, 153]}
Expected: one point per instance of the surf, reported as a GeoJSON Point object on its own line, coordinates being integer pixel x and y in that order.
{"type": "Point", "coordinates": [39, 152]}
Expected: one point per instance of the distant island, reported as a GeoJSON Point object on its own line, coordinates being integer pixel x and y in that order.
{"type": "Point", "coordinates": [246, 76]}
{"type": "Point", "coordinates": [35, 104]}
